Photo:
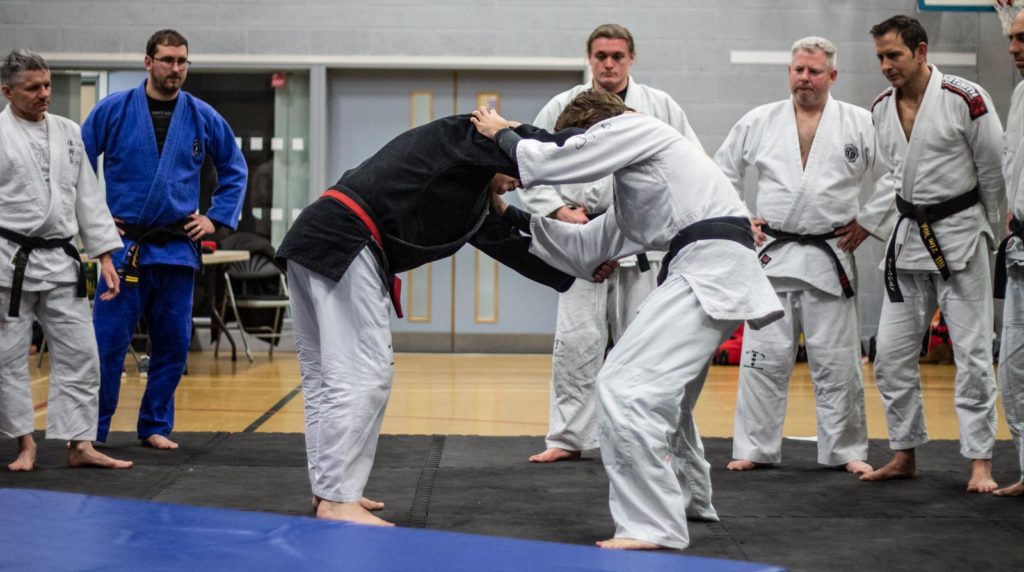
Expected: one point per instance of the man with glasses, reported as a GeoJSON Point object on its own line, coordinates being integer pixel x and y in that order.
{"type": "Point", "coordinates": [589, 313]}
{"type": "Point", "coordinates": [154, 140]}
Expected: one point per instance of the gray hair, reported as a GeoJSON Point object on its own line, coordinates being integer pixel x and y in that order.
{"type": "Point", "coordinates": [20, 61]}
{"type": "Point", "coordinates": [815, 43]}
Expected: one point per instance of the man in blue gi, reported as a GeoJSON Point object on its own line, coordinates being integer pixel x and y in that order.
{"type": "Point", "coordinates": [154, 139]}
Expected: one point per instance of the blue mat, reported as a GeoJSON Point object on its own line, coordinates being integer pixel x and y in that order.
{"type": "Point", "coordinates": [43, 530]}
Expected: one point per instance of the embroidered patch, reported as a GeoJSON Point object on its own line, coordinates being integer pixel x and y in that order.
{"type": "Point", "coordinates": [197, 149]}
{"type": "Point", "coordinates": [969, 92]}
{"type": "Point", "coordinates": [851, 153]}
{"type": "Point", "coordinates": [765, 259]}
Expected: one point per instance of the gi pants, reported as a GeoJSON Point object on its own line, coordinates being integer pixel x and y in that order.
{"type": "Point", "coordinates": [343, 338]}
{"type": "Point", "coordinates": [164, 297]}
{"type": "Point", "coordinates": [1011, 358]}
{"type": "Point", "coordinates": [587, 314]}
{"type": "Point", "coordinates": [966, 303]}
{"type": "Point", "coordinates": [74, 365]}
{"type": "Point", "coordinates": [831, 331]}
{"type": "Point", "coordinates": [646, 392]}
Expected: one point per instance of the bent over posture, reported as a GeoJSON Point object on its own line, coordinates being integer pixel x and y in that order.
{"type": "Point", "coordinates": [418, 199]}
{"type": "Point", "coordinates": [668, 195]}
{"type": "Point", "coordinates": [48, 193]}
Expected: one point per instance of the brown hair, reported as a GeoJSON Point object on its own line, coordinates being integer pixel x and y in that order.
{"type": "Point", "coordinates": [611, 32]}
{"type": "Point", "coordinates": [165, 38]}
{"type": "Point", "coordinates": [908, 29]}
{"type": "Point", "coordinates": [588, 108]}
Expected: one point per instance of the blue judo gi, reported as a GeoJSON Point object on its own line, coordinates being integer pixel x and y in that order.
{"type": "Point", "coordinates": [148, 188]}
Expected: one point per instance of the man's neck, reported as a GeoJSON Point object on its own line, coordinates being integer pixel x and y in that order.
{"type": "Point", "coordinates": [618, 90]}
{"type": "Point", "coordinates": [153, 93]}
{"type": "Point", "coordinates": [914, 90]}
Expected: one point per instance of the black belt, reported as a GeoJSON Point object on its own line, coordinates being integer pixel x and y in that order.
{"type": "Point", "coordinates": [26, 244]}
{"type": "Point", "coordinates": [1016, 229]}
{"type": "Point", "coordinates": [924, 215]}
{"type": "Point", "coordinates": [642, 262]}
{"type": "Point", "coordinates": [734, 228]}
{"type": "Point", "coordinates": [818, 240]}
{"type": "Point", "coordinates": [141, 235]}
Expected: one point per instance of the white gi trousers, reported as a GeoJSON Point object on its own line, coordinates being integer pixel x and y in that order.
{"type": "Point", "coordinates": [831, 331]}
{"type": "Point", "coordinates": [343, 338]}
{"type": "Point", "coordinates": [647, 391]}
{"type": "Point", "coordinates": [587, 314]}
{"type": "Point", "coordinates": [966, 303]}
{"type": "Point", "coordinates": [1011, 358]}
{"type": "Point", "coordinates": [73, 402]}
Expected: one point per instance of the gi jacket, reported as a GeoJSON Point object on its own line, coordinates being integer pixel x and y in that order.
{"type": "Point", "coordinates": [427, 192]}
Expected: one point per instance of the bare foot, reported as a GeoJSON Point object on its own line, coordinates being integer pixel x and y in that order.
{"type": "Point", "coordinates": [1014, 490]}
{"type": "Point", "coordinates": [981, 477]}
{"type": "Point", "coordinates": [628, 544]}
{"type": "Point", "coordinates": [744, 465]}
{"type": "Point", "coordinates": [26, 460]}
{"type": "Point", "coordinates": [858, 468]}
{"type": "Point", "coordinates": [159, 442]}
{"type": "Point", "coordinates": [555, 454]}
{"type": "Point", "coordinates": [363, 502]}
{"type": "Point", "coordinates": [349, 512]}
{"type": "Point", "coordinates": [902, 466]}
{"type": "Point", "coordinates": [82, 454]}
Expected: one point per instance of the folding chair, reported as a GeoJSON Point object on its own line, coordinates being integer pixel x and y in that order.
{"type": "Point", "coordinates": [253, 285]}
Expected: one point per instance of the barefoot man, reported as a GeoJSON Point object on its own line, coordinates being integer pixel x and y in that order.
{"type": "Point", "coordinates": [418, 199]}
{"type": "Point", "coordinates": [48, 193]}
{"type": "Point", "coordinates": [942, 140]}
{"type": "Point", "coordinates": [590, 314]}
{"type": "Point", "coordinates": [668, 196]}
{"type": "Point", "coordinates": [1011, 258]}
{"type": "Point", "coordinates": [813, 223]}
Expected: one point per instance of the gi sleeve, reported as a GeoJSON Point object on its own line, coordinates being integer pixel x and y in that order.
{"type": "Point", "coordinates": [731, 156]}
{"type": "Point", "coordinates": [232, 175]}
{"type": "Point", "coordinates": [878, 215]}
{"type": "Point", "coordinates": [544, 199]}
{"type": "Point", "coordinates": [94, 136]}
{"type": "Point", "coordinates": [498, 239]}
{"type": "Point", "coordinates": [676, 117]}
{"type": "Point", "coordinates": [95, 223]}
{"type": "Point", "coordinates": [578, 249]}
{"type": "Point", "coordinates": [984, 135]}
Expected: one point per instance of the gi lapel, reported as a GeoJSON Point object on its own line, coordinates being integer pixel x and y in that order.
{"type": "Point", "coordinates": [20, 148]}
{"type": "Point", "coordinates": [152, 160]}
{"type": "Point", "coordinates": [919, 134]}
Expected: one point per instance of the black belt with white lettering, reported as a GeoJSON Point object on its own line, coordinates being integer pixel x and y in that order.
{"type": "Point", "coordinates": [817, 240]}
{"type": "Point", "coordinates": [734, 228]}
{"type": "Point", "coordinates": [141, 235]}
{"type": "Point", "coordinates": [999, 286]}
{"type": "Point", "coordinates": [924, 216]}
{"type": "Point", "coordinates": [642, 262]}
{"type": "Point", "coordinates": [26, 244]}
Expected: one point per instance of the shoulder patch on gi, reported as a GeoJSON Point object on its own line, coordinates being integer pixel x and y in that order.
{"type": "Point", "coordinates": [969, 92]}
{"type": "Point", "coordinates": [851, 153]}
{"type": "Point", "coordinates": [888, 91]}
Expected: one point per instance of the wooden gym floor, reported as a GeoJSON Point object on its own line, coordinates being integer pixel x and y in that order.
{"type": "Point", "coordinates": [467, 394]}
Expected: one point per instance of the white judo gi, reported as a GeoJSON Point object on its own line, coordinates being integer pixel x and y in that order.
{"type": "Point", "coordinates": [954, 147]}
{"type": "Point", "coordinates": [1011, 352]}
{"type": "Point", "coordinates": [49, 192]}
{"type": "Point", "coordinates": [651, 380]}
{"type": "Point", "coordinates": [808, 200]}
{"type": "Point", "coordinates": [589, 313]}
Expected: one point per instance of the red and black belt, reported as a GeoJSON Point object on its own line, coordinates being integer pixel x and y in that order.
{"type": "Point", "coordinates": [392, 282]}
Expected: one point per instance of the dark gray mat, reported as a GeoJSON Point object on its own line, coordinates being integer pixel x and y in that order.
{"type": "Point", "coordinates": [799, 514]}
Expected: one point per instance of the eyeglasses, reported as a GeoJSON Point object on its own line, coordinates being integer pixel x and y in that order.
{"type": "Point", "coordinates": [171, 62]}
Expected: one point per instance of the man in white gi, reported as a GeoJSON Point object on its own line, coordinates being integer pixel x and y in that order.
{"type": "Point", "coordinates": [1010, 265]}
{"type": "Point", "coordinates": [589, 313]}
{"type": "Point", "coordinates": [670, 196]}
{"type": "Point", "coordinates": [48, 193]}
{"type": "Point", "coordinates": [813, 224]}
{"type": "Point", "coordinates": [941, 138]}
